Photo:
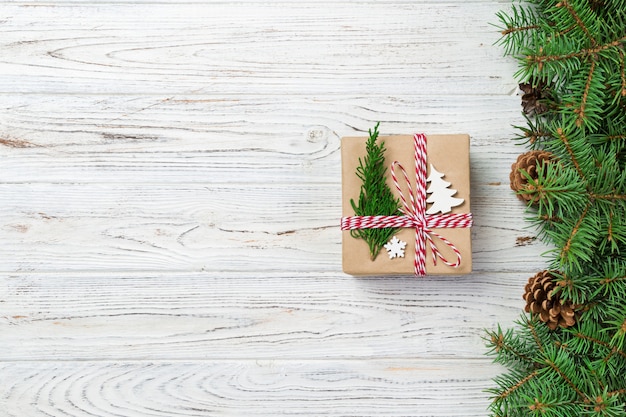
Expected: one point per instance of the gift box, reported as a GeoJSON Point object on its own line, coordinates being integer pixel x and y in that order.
{"type": "Point", "coordinates": [446, 234]}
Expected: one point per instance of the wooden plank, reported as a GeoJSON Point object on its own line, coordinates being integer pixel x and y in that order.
{"type": "Point", "coordinates": [192, 139]}
{"type": "Point", "coordinates": [250, 388]}
{"type": "Point", "coordinates": [233, 48]}
{"type": "Point", "coordinates": [254, 315]}
{"type": "Point", "coordinates": [169, 201]}
{"type": "Point", "coordinates": [44, 3]}
{"type": "Point", "coordinates": [274, 227]}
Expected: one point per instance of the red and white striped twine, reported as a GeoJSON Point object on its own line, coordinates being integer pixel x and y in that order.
{"type": "Point", "coordinates": [415, 214]}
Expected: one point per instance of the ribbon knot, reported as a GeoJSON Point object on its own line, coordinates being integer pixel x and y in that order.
{"type": "Point", "coordinates": [414, 214]}
{"type": "Point", "coordinates": [417, 222]}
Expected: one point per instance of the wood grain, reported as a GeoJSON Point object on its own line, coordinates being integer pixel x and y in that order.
{"type": "Point", "coordinates": [169, 207]}
{"type": "Point", "coordinates": [250, 388]}
{"type": "Point", "coordinates": [252, 47]}
{"type": "Point", "coordinates": [297, 315]}
{"type": "Point", "coordinates": [274, 227]}
{"type": "Point", "coordinates": [206, 139]}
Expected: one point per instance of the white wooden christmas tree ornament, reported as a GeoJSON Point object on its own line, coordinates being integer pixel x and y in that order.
{"type": "Point", "coordinates": [440, 195]}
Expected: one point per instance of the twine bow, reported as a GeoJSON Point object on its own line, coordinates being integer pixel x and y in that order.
{"type": "Point", "coordinates": [414, 214]}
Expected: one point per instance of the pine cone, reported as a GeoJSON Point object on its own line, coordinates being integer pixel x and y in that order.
{"type": "Point", "coordinates": [531, 99]}
{"type": "Point", "coordinates": [541, 300]}
{"type": "Point", "coordinates": [528, 162]}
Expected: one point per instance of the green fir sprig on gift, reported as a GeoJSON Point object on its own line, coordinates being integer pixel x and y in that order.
{"type": "Point", "coordinates": [375, 198]}
{"type": "Point", "coordinates": [571, 56]}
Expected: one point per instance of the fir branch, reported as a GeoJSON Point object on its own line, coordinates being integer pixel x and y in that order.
{"type": "Point", "coordinates": [607, 196]}
{"type": "Point", "coordinates": [535, 133]}
{"type": "Point", "coordinates": [610, 280]}
{"type": "Point", "coordinates": [562, 374]}
{"type": "Point", "coordinates": [617, 392]}
{"type": "Point", "coordinates": [561, 193]}
{"type": "Point", "coordinates": [511, 29]}
{"type": "Point", "coordinates": [518, 385]}
{"type": "Point", "coordinates": [607, 404]}
{"type": "Point", "coordinates": [375, 198]}
{"type": "Point", "coordinates": [622, 72]}
{"type": "Point", "coordinates": [506, 352]}
{"type": "Point", "coordinates": [580, 111]}
{"type": "Point", "coordinates": [577, 18]}
{"type": "Point", "coordinates": [541, 59]}
{"type": "Point", "coordinates": [613, 350]}
{"type": "Point", "coordinates": [578, 48]}
{"type": "Point", "coordinates": [563, 32]}
{"type": "Point", "coordinates": [516, 27]}
{"type": "Point", "coordinates": [533, 330]}
{"type": "Point", "coordinates": [563, 137]}
{"type": "Point", "coordinates": [564, 254]}
{"type": "Point", "coordinates": [610, 236]}
{"type": "Point", "coordinates": [500, 346]}
{"type": "Point", "coordinates": [618, 326]}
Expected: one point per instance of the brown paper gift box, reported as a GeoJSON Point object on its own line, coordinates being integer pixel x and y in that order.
{"type": "Point", "coordinates": [450, 155]}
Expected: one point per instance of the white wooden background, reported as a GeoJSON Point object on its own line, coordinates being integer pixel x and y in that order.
{"type": "Point", "coordinates": [170, 199]}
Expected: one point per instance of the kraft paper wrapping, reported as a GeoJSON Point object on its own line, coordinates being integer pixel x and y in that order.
{"type": "Point", "coordinates": [450, 155]}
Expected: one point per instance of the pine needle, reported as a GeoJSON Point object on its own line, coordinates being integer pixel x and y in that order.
{"type": "Point", "coordinates": [578, 47]}
{"type": "Point", "coordinates": [376, 198]}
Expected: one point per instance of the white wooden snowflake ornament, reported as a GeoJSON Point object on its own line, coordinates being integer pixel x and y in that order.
{"type": "Point", "coordinates": [395, 248]}
{"type": "Point", "coordinates": [440, 195]}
